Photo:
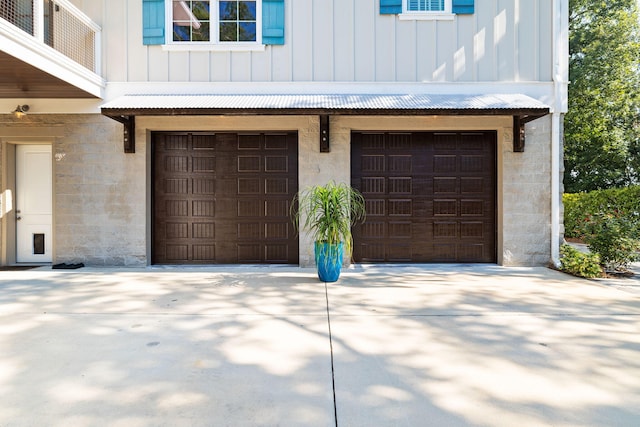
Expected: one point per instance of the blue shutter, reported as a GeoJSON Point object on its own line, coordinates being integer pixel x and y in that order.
{"type": "Point", "coordinates": [273, 21]}
{"type": "Point", "coordinates": [390, 7]}
{"type": "Point", "coordinates": [153, 22]}
{"type": "Point", "coordinates": [463, 6]}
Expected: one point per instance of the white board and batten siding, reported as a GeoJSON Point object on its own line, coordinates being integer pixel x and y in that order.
{"type": "Point", "coordinates": [347, 41]}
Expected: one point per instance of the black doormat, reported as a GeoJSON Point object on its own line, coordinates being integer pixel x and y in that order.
{"type": "Point", "coordinates": [65, 266]}
{"type": "Point", "coordinates": [18, 267]}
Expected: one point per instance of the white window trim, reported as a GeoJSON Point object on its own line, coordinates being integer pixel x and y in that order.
{"type": "Point", "coordinates": [214, 44]}
{"type": "Point", "coordinates": [408, 15]}
{"type": "Point", "coordinates": [210, 46]}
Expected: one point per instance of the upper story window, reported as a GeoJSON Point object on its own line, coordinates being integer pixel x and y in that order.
{"type": "Point", "coordinates": [215, 21]}
{"type": "Point", "coordinates": [428, 6]}
{"type": "Point", "coordinates": [213, 24]}
{"type": "Point", "coordinates": [426, 9]}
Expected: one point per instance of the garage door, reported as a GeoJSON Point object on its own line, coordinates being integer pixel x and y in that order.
{"type": "Point", "coordinates": [224, 198]}
{"type": "Point", "coordinates": [430, 197]}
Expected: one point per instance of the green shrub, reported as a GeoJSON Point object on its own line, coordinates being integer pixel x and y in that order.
{"type": "Point", "coordinates": [612, 235]}
{"type": "Point", "coordinates": [579, 205]}
{"type": "Point", "coordinates": [579, 264]}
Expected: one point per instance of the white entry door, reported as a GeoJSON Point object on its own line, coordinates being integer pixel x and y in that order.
{"type": "Point", "coordinates": [34, 203]}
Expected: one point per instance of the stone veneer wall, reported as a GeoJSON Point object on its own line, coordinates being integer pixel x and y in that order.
{"type": "Point", "coordinates": [99, 191]}
{"type": "Point", "coordinates": [526, 192]}
{"type": "Point", "coordinates": [102, 195]}
{"type": "Point", "coordinates": [100, 211]}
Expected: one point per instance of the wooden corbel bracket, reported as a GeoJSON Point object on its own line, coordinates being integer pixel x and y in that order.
{"type": "Point", "coordinates": [324, 134]}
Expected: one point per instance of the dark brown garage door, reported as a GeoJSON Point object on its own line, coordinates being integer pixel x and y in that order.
{"type": "Point", "coordinates": [430, 197]}
{"type": "Point", "coordinates": [224, 198]}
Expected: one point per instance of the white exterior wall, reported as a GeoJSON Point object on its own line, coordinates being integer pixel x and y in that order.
{"type": "Point", "coordinates": [346, 41]}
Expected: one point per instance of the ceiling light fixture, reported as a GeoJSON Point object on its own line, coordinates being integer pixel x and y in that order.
{"type": "Point", "coordinates": [20, 111]}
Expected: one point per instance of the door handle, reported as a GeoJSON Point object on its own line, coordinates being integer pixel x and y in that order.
{"type": "Point", "coordinates": [18, 218]}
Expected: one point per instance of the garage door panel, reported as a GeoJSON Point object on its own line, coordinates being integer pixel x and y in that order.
{"type": "Point", "coordinates": [249, 163]}
{"type": "Point", "coordinates": [400, 229]}
{"type": "Point", "coordinates": [435, 192]}
{"type": "Point", "coordinates": [225, 185]}
{"type": "Point", "coordinates": [249, 142]}
{"type": "Point", "coordinates": [375, 207]}
{"type": "Point", "coordinates": [374, 229]}
{"type": "Point", "coordinates": [373, 163]}
{"type": "Point", "coordinates": [176, 164]}
{"type": "Point", "coordinates": [373, 185]}
{"type": "Point", "coordinates": [277, 208]}
{"type": "Point", "coordinates": [397, 163]}
{"type": "Point", "coordinates": [277, 186]}
{"type": "Point", "coordinates": [224, 198]}
{"type": "Point", "coordinates": [400, 185]}
{"type": "Point", "coordinates": [276, 230]}
{"type": "Point", "coordinates": [176, 230]}
{"type": "Point", "coordinates": [250, 208]}
{"type": "Point", "coordinates": [473, 185]}
{"type": "Point", "coordinates": [445, 230]}
{"type": "Point", "coordinates": [202, 186]}
{"type": "Point", "coordinates": [275, 164]}
{"type": "Point", "coordinates": [400, 252]}
{"type": "Point", "coordinates": [444, 252]}
{"type": "Point", "coordinates": [445, 163]}
{"type": "Point", "coordinates": [277, 253]}
{"type": "Point", "coordinates": [203, 230]}
{"type": "Point", "coordinates": [399, 141]}
{"type": "Point", "coordinates": [203, 252]}
{"type": "Point", "coordinates": [249, 186]}
{"type": "Point", "coordinates": [471, 252]}
{"type": "Point", "coordinates": [445, 185]}
{"type": "Point", "coordinates": [400, 207]}
{"type": "Point", "coordinates": [471, 164]}
{"type": "Point", "coordinates": [372, 252]}
{"type": "Point", "coordinates": [472, 230]}
{"type": "Point", "coordinates": [249, 253]}
{"type": "Point", "coordinates": [177, 253]}
{"type": "Point", "coordinates": [203, 143]}
{"type": "Point", "coordinates": [200, 208]}
{"type": "Point", "coordinates": [175, 143]}
{"type": "Point", "coordinates": [275, 142]}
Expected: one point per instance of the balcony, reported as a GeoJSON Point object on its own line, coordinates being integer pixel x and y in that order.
{"type": "Point", "coordinates": [48, 49]}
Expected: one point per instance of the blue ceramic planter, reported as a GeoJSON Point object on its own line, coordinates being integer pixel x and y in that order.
{"type": "Point", "coordinates": [329, 261]}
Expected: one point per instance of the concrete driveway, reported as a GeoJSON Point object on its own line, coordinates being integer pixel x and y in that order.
{"type": "Point", "coordinates": [433, 345]}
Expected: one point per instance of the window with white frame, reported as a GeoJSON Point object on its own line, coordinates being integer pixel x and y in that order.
{"type": "Point", "coordinates": [427, 6]}
{"type": "Point", "coordinates": [215, 21]}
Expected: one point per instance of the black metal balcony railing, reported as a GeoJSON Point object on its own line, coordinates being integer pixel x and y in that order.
{"type": "Point", "coordinates": [58, 24]}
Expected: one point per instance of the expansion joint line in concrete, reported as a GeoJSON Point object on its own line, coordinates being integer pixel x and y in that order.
{"type": "Point", "coordinates": [333, 377]}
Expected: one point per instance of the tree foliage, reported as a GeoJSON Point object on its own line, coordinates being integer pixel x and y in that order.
{"type": "Point", "coordinates": [602, 132]}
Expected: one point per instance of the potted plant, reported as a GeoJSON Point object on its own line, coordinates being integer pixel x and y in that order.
{"type": "Point", "coordinates": [328, 212]}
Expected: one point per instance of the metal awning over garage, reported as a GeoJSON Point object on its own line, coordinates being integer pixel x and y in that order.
{"type": "Point", "coordinates": [523, 108]}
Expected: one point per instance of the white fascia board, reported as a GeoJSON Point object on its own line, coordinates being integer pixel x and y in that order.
{"type": "Point", "coordinates": [26, 48]}
{"type": "Point", "coordinates": [542, 91]}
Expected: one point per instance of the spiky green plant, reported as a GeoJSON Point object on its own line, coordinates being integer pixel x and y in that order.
{"type": "Point", "coordinates": [329, 211]}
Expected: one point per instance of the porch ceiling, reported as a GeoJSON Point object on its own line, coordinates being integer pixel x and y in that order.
{"type": "Point", "coordinates": [19, 79]}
